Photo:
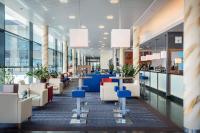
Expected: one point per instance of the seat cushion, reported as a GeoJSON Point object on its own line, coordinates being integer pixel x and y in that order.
{"type": "Point", "coordinates": [123, 93]}
{"type": "Point", "coordinates": [78, 93]}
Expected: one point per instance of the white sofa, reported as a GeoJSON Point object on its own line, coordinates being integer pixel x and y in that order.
{"type": "Point", "coordinates": [58, 86]}
{"type": "Point", "coordinates": [38, 93]}
{"type": "Point", "coordinates": [13, 109]}
{"type": "Point", "coordinates": [107, 91]}
{"type": "Point", "coordinates": [134, 88]}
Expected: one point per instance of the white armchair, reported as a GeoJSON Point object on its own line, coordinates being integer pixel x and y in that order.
{"type": "Point", "coordinates": [134, 88]}
{"type": "Point", "coordinates": [13, 109]}
{"type": "Point", "coordinates": [107, 91]}
{"type": "Point", "coordinates": [38, 93]}
{"type": "Point", "coordinates": [57, 85]}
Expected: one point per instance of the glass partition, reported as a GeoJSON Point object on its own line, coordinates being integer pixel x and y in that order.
{"type": "Point", "coordinates": [15, 23]}
{"type": "Point", "coordinates": [37, 54]}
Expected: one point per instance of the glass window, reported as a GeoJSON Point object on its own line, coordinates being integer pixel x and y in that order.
{"type": "Point", "coordinates": [37, 54]}
{"type": "Point", "coordinates": [51, 59]}
{"type": "Point", "coordinates": [15, 23]}
{"type": "Point", "coordinates": [59, 46]}
{"type": "Point", "coordinates": [52, 42]}
{"type": "Point", "coordinates": [59, 61]}
{"type": "Point", "coordinates": [16, 51]}
{"type": "Point", "coordinates": [37, 33]}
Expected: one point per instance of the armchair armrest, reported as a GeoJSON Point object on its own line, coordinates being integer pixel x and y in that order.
{"type": "Point", "coordinates": [24, 109]}
{"type": "Point", "coordinates": [44, 97]}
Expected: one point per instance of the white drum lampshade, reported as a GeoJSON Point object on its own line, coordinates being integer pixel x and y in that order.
{"type": "Point", "coordinates": [143, 58]}
{"type": "Point", "coordinates": [120, 38]}
{"type": "Point", "coordinates": [155, 56]}
{"type": "Point", "coordinates": [78, 38]}
{"type": "Point", "coordinates": [163, 54]}
{"type": "Point", "coordinates": [148, 57]}
{"type": "Point", "coordinates": [178, 60]}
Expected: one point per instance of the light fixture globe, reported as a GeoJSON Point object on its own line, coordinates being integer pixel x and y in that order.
{"type": "Point", "coordinates": [120, 38]}
{"type": "Point", "coordinates": [78, 38]}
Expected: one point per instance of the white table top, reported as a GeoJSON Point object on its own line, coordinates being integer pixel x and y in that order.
{"type": "Point", "coordinates": [121, 77]}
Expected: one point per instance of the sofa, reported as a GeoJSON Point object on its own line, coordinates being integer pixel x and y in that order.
{"type": "Point", "coordinates": [38, 93]}
{"type": "Point", "coordinates": [107, 91]}
{"type": "Point", "coordinates": [58, 86]}
{"type": "Point", "coordinates": [13, 109]}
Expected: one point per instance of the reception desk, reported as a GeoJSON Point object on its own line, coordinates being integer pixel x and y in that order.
{"type": "Point", "coordinates": [158, 81]}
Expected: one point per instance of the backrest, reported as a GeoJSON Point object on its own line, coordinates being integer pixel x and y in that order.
{"type": "Point", "coordinates": [110, 85]}
{"type": "Point", "coordinates": [8, 88]}
{"type": "Point", "coordinates": [54, 81]}
{"type": "Point", "coordinates": [37, 86]}
{"type": "Point", "coordinates": [23, 88]}
{"type": "Point", "coordinates": [106, 80]}
{"type": "Point", "coordinates": [9, 107]}
{"type": "Point", "coordinates": [21, 82]}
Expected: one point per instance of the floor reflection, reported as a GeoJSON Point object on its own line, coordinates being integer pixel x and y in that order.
{"type": "Point", "coordinates": [172, 110]}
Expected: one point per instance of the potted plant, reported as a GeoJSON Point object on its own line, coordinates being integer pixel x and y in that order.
{"type": "Point", "coordinates": [53, 74]}
{"type": "Point", "coordinates": [7, 80]}
{"type": "Point", "coordinates": [111, 68]}
{"type": "Point", "coordinates": [41, 73]}
{"type": "Point", "coordinates": [118, 72]}
{"type": "Point", "coordinates": [130, 71]}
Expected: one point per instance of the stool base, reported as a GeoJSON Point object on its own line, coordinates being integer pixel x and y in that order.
{"type": "Point", "coordinates": [125, 121]}
{"type": "Point", "coordinates": [82, 115]}
{"type": "Point", "coordinates": [78, 121]}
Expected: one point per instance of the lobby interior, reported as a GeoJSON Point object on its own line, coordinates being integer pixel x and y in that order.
{"type": "Point", "coordinates": [100, 66]}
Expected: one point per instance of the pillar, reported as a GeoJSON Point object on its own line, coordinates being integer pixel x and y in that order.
{"type": "Point", "coordinates": [65, 57]}
{"type": "Point", "coordinates": [73, 62]}
{"type": "Point", "coordinates": [45, 46]}
{"type": "Point", "coordinates": [114, 59]}
{"type": "Point", "coordinates": [121, 57]}
{"type": "Point", "coordinates": [79, 57]}
{"type": "Point", "coordinates": [192, 66]}
{"type": "Point", "coordinates": [136, 50]}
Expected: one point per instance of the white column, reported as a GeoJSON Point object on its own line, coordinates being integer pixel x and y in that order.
{"type": "Point", "coordinates": [45, 42]}
{"type": "Point", "coordinates": [65, 56]}
{"type": "Point", "coordinates": [192, 66]}
{"type": "Point", "coordinates": [121, 57]}
{"type": "Point", "coordinates": [78, 57]}
{"type": "Point", "coordinates": [136, 51]}
{"type": "Point", "coordinates": [73, 62]}
{"type": "Point", "coordinates": [114, 59]}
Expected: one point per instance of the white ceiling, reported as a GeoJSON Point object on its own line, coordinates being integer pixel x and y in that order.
{"type": "Point", "coordinates": [93, 14]}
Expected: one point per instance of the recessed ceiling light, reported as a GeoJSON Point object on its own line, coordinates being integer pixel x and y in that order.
{"type": "Point", "coordinates": [83, 26]}
{"type": "Point", "coordinates": [103, 44]}
{"type": "Point", "coordinates": [101, 27]}
{"type": "Point", "coordinates": [114, 1]}
{"type": "Point", "coordinates": [106, 33]}
{"type": "Point", "coordinates": [53, 17]}
{"type": "Point", "coordinates": [100, 41]}
{"type": "Point", "coordinates": [64, 1]}
{"type": "Point", "coordinates": [72, 17]}
{"type": "Point", "coordinates": [45, 8]}
{"type": "Point", "coordinates": [105, 38]}
{"type": "Point", "coordinates": [109, 17]}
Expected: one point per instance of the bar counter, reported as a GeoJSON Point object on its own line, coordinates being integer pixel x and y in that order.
{"type": "Point", "coordinates": [158, 80]}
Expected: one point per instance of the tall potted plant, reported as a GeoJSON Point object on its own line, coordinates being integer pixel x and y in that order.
{"type": "Point", "coordinates": [111, 68]}
{"type": "Point", "coordinates": [7, 80]}
{"type": "Point", "coordinates": [41, 73]}
{"type": "Point", "coordinates": [130, 71]}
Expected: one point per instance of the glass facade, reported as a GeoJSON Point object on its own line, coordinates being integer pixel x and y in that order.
{"type": "Point", "coordinates": [23, 46]}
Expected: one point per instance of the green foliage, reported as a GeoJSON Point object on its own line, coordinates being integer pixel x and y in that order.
{"type": "Point", "coordinates": [111, 67]}
{"type": "Point", "coordinates": [6, 76]}
{"type": "Point", "coordinates": [40, 73]}
{"type": "Point", "coordinates": [118, 70]}
{"type": "Point", "coordinates": [53, 74]}
{"type": "Point", "coordinates": [130, 71]}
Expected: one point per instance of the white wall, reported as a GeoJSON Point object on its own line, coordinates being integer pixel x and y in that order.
{"type": "Point", "coordinates": [105, 56]}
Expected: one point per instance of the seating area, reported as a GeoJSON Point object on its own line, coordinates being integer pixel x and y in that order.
{"type": "Point", "coordinates": [111, 66]}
